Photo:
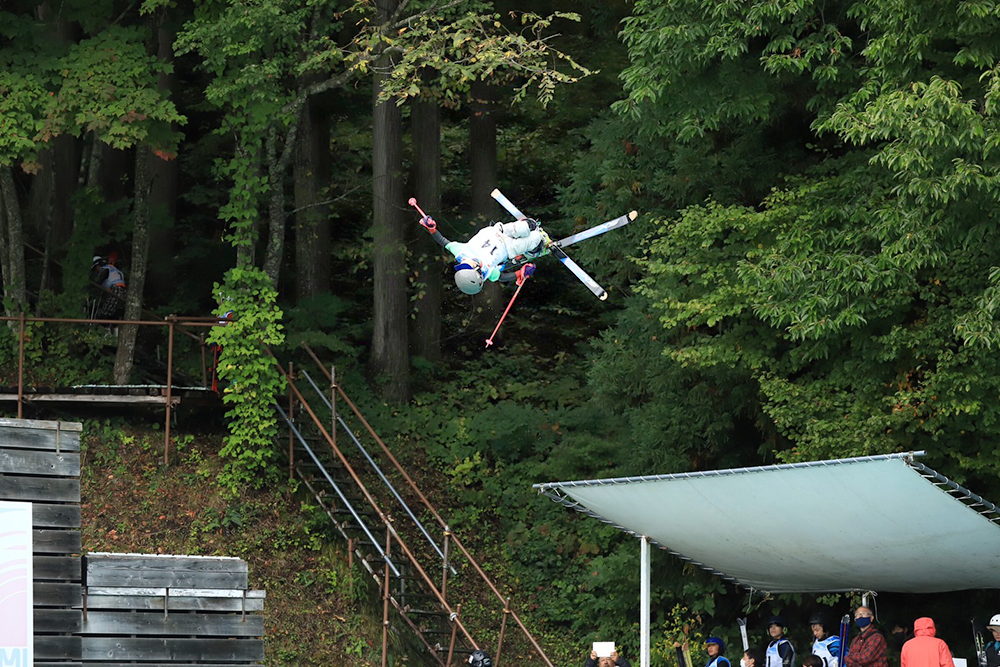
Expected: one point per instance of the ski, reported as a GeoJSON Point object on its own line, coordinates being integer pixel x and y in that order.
{"type": "Point", "coordinates": [977, 640]}
{"type": "Point", "coordinates": [554, 248]}
{"type": "Point", "coordinates": [845, 626]}
{"type": "Point", "coordinates": [596, 230]}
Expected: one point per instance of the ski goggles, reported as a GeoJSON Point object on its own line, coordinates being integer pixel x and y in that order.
{"type": "Point", "coordinates": [465, 265]}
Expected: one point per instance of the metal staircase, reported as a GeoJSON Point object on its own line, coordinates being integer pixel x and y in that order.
{"type": "Point", "coordinates": [422, 570]}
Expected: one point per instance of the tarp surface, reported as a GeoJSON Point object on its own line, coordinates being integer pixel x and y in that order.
{"type": "Point", "coordinates": [853, 524]}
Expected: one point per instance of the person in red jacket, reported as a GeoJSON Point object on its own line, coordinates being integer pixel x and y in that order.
{"type": "Point", "coordinates": [925, 649]}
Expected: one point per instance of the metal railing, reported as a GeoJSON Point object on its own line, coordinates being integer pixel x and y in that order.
{"type": "Point", "coordinates": [444, 551]}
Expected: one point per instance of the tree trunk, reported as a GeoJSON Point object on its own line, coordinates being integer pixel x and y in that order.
{"type": "Point", "coordinates": [140, 252]}
{"type": "Point", "coordinates": [163, 192]}
{"type": "Point", "coordinates": [13, 280]}
{"type": "Point", "coordinates": [483, 151]}
{"type": "Point", "coordinates": [426, 119]}
{"type": "Point", "coordinates": [389, 360]}
{"type": "Point", "coordinates": [312, 218]}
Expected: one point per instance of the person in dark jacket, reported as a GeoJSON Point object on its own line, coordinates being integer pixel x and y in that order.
{"type": "Point", "coordinates": [925, 649]}
{"type": "Point", "coordinates": [868, 649]}
{"type": "Point", "coordinates": [993, 648]}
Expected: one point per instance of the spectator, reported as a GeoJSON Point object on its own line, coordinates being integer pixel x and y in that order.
{"type": "Point", "coordinates": [112, 282]}
{"type": "Point", "coordinates": [752, 657]}
{"type": "Point", "coordinates": [993, 648]}
{"type": "Point", "coordinates": [779, 652]}
{"type": "Point", "coordinates": [900, 636]}
{"type": "Point", "coordinates": [614, 661]}
{"type": "Point", "coordinates": [812, 660]}
{"type": "Point", "coordinates": [715, 647]}
{"type": "Point", "coordinates": [825, 646]}
{"type": "Point", "coordinates": [925, 649]}
{"type": "Point", "coordinates": [869, 648]}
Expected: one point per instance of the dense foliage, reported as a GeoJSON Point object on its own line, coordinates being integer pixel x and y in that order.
{"type": "Point", "coordinates": [813, 275]}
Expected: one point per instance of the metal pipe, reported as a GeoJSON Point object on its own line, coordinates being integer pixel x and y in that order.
{"type": "Point", "coordinates": [503, 629]}
{"type": "Point", "coordinates": [374, 505]}
{"type": "Point", "coordinates": [378, 471]}
{"type": "Point", "coordinates": [454, 631]}
{"type": "Point", "coordinates": [444, 565]}
{"type": "Point", "coordinates": [644, 602]}
{"type": "Point", "coordinates": [343, 498]}
{"type": "Point", "coordinates": [291, 417]}
{"type": "Point", "coordinates": [20, 369]}
{"type": "Point", "coordinates": [433, 511]}
{"type": "Point", "coordinates": [385, 600]}
{"type": "Point", "coordinates": [170, 380]}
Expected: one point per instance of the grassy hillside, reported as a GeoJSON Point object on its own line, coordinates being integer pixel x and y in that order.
{"type": "Point", "coordinates": [315, 608]}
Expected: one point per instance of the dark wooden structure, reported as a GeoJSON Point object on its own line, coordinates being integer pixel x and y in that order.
{"type": "Point", "coordinates": [171, 610]}
{"type": "Point", "coordinates": [112, 609]}
{"type": "Point", "coordinates": [40, 464]}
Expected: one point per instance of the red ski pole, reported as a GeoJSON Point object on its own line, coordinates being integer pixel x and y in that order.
{"type": "Point", "coordinates": [522, 277]}
{"type": "Point", "coordinates": [425, 220]}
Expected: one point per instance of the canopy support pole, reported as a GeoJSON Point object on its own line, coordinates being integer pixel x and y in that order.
{"type": "Point", "coordinates": [644, 601]}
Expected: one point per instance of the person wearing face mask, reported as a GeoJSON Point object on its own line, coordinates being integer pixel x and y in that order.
{"type": "Point", "coordinates": [925, 649]}
{"type": "Point", "coordinates": [715, 647]}
{"type": "Point", "coordinates": [752, 657]}
{"type": "Point", "coordinates": [869, 648]}
{"type": "Point", "coordinates": [780, 652]}
{"type": "Point", "coordinates": [826, 647]}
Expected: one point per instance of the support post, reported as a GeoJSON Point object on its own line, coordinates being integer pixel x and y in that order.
{"type": "Point", "coordinates": [291, 418]}
{"type": "Point", "coordinates": [204, 361]}
{"type": "Point", "coordinates": [454, 631]}
{"type": "Point", "coordinates": [385, 599]}
{"type": "Point", "coordinates": [170, 381]}
{"type": "Point", "coordinates": [644, 601]}
{"type": "Point", "coordinates": [444, 565]}
{"type": "Point", "coordinates": [503, 629]}
{"type": "Point", "coordinates": [20, 369]}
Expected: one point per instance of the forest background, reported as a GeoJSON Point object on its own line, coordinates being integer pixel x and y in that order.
{"type": "Point", "coordinates": [813, 273]}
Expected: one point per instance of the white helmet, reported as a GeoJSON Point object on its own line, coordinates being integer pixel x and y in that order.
{"type": "Point", "coordinates": [468, 279]}
{"type": "Point", "coordinates": [97, 259]}
{"type": "Point", "coordinates": [994, 622]}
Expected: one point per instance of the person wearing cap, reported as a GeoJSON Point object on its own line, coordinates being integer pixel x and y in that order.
{"type": "Point", "coordinates": [484, 256]}
{"type": "Point", "coordinates": [825, 646]}
{"type": "Point", "coordinates": [869, 648]}
{"type": "Point", "coordinates": [993, 648]}
{"type": "Point", "coordinates": [925, 649]}
{"type": "Point", "coordinates": [779, 652]}
{"type": "Point", "coordinates": [715, 647]}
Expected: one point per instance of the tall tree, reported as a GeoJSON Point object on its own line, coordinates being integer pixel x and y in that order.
{"type": "Point", "coordinates": [426, 118]}
{"type": "Point", "coordinates": [312, 222]}
{"type": "Point", "coordinates": [389, 354]}
{"type": "Point", "coordinates": [483, 163]}
{"type": "Point", "coordinates": [140, 258]}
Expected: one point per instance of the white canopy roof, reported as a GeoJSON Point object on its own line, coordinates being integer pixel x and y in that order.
{"type": "Point", "coordinates": [880, 523]}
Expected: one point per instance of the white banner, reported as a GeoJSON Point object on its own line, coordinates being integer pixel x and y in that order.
{"type": "Point", "coordinates": [15, 585]}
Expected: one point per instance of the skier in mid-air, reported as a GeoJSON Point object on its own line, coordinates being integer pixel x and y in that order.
{"type": "Point", "coordinates": [484, 256]}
